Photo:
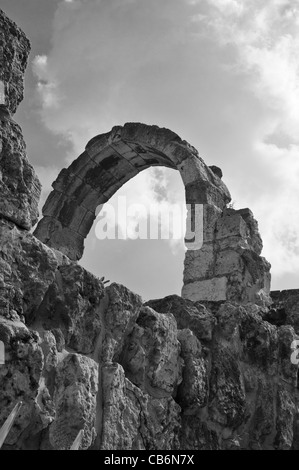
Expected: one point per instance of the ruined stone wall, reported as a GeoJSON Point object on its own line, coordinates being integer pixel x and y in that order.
{"type": "Point", "coordinates": [170, 374]}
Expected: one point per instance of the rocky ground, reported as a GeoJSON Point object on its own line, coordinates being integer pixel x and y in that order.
{"type": "Point", "coordinates": [171, 374]}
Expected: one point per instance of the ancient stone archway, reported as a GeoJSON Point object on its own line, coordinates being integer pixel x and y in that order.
{"type": "Point", "coordinates": [215, 272]}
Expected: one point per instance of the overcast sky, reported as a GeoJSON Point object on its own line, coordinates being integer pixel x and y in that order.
{"type": "Point", "coordinates": [223, 74]}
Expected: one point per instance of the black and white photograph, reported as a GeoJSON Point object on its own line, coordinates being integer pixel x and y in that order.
{"type": "Point", "coordinates": [149, 228]}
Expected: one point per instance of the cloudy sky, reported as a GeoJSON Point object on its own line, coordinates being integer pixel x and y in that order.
{"type": "Point", "coordinates": [223, 74]}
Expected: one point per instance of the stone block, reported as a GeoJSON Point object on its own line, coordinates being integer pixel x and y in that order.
{"type": "Point", "coordinates": [54, 203]}
{"type": "Point", "coordinates": [212, 290]}
{"type": "Point", "coordinates": [86, 223]}
{"type": "Point", "coordinates": [79, 215]}
{"type": "Point", "coordinates": [199, 264]}
{"type": "Point", "coordinates": [232, 226]}
{"type": "Point", "coordinates": [67, 182]}
{"type": "Point", "coordinates": [97, 144]}
{"type": "Point", "coordinates": [204, 192]}
{"type": "Point", "coordinates": [211, 214]}
{"type": "Point", "coordinates": [227, 262]}
{"type": "Point", "coordinates": [81, 164]}
{"type": "Point", "coordinates": [192, 169]}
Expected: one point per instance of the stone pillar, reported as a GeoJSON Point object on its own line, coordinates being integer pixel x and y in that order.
{"type": "Point", "coordinates": [229, 265]}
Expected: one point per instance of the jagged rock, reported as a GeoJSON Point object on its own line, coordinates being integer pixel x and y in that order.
{"type": "Point", "coordinates": [195, 434]}
{"type": "Point", "coordinates": [193, 392]}
{"type": "Point", "coordinates": [20, 379]}
{"type": "Point", "coordinates": [151, 356]}
{"type": "Point", "coordinates": [286, 408]}
{"type": "Point", "coordinates": [72, 305]}
{"type": "Point", "coordinates": [260, 340]}
{"type": "Point", "coordinates": [133, 420]}
{"type": "Point", "coordinates": [187, 314]}
{"type": "Point", "coordinates": [120, 315]}
{"type": "Point", "coordinates": [262, 425]}
{"type": "Point", "coordinates": [19, 186]}
{"type": "Point", "coordinates": [289, 371]}
{"type": "Point", "coordinates": [27, 268]}
{"type": "Point", "coordinates": [276, 316]}
{"type": "Point", "coordinates": [15, 48]}
{"type": "Point", "coordinates": [76, 388]}
{"type": "Point", "coordinates": [227, 400]}
{"type": "Point", "coordinates": [286, 305]}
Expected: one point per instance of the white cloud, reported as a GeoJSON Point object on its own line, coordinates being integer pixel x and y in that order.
{"type": "Point", "coordinates": [47, 87]}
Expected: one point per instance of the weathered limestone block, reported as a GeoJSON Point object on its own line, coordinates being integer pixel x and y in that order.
{"type": "Point", "coordinates": [133, 420]}
{"type": "Point", "coordinates": [231, 225]}
{"type": "Point", "coordinates": [72, 305]}
{"type": "Point", "coordinates": [151, 355]}
{"type": "Point", "coordinates": [76, 388]}
{"type": "Point", "coordinates": [19, 186]}
{"type": "Point", "coordinates": [122, 308]}
{"type": "Point", "coordinates": [20, 379]}
{"type": "Point", "coordinates": [14, 51]}
{"type": "Point", "coordinates": [211, 215]}
{"type": "Point", "coordinates": [199, 191]}
{"type": "Point", "coordinates": [199, 267]}
{"type": "Point", "coordinates": [188, 315]}
{"type": "Point", "coordinates": [213, 290]}
{"type": "Point", "coordinates": [228, 261]}
{"type": "Point", "coordinates": [27, 268]}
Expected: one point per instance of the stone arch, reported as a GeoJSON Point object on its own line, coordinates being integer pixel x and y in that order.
{"type": "Point", "coordinates": [212, 273]}
{"type": "Point", "coordinates": [109, 161]}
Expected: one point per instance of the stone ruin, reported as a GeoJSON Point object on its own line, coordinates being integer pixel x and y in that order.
{"type": "Point", "coordinates": [227, 267]}
{"type": "Point", "coordinates": [208, 370]}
